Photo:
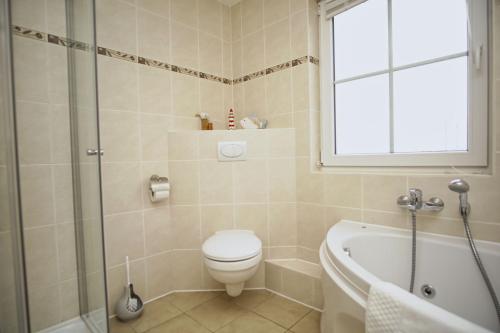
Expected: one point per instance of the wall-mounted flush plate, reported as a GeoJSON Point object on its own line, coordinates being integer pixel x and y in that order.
{"type": "Point", "coordinates": [232, 151]}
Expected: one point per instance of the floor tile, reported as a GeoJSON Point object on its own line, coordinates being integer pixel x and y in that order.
{"type": "Point", "coordinates": [309, 324]}
{"type": "Point", "coordinates": [216, 313]}
{"type": "Point", "coordinates": [116, 326]}
{"type": "Point", "coordinates": [251, 323]}
{"type": "Point", "coordinates": [155, 313]}
{"type": "Point", "coordinates": [188, 300]}
{"type": "Point", "coordinates": [179, 324]}
{"type": "Point", "coordinates": [250, 299]}
{"type": "Point", "coordinates": [282, 311]}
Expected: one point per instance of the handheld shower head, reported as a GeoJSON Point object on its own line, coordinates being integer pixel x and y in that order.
{"type": "Point", "coordinates": [461, 187]}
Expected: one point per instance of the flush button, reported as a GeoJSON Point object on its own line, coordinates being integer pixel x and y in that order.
{"type": "Point", "coordinates": [232, 150]}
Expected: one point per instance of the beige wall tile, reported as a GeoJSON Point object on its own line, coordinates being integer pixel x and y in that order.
{"type": "Point", "coordinates": [120, 135]}
{"type": "Point", "coordinates": [282, 187]}
{"type": "Point", "coordinates": [37, 196]}
{"type": "Point", "coordinates": [185, 95]}
{"type": "Point", "coordinates": [41, 315]}
{"type": "Point", "coordinates": [216, 218]}
{"type": "Point", "coordinates": [279, 93]}
{"type": "Point", "coordinates": [154, 90]}
{"type": "Point", "coordinates": [226, 24]}
{"type": "Point", "coordinates": [184, 46]}
{"type": "Point", "coordinates": [186, 227]}
{"type": "Point", "coordinates": [41, 256]}
{"type": "Point", "coordinates": [309, 185]}
{"type": "Point", "coordinates": [61, 143]}
{"type": "Point", "coordinates": [184, 182]}
{"type": "Point", "coordinates": [253, 55]}
{"type": "Point", "coordinates": [236, 24]}
{"type": "Point", "coordinates": [381, 192]}
{"type": "Point", "coordinates": [343, 190]}
{"type": "Point", "coordinates": [275, 10]}
{"type": "Point", "coordinates": [182, 146]}
{"type": "Point", "coordinates": [311, 225]}
{"type": "Point", "coordinates": [282, 252]}
{"type": "Point", "coordinates": [184, 11]}
{"type": "Point", "coordinates": [298, 286]}
{"type": "Point", "coordinates": [63, 193]}
{"type": "Point", "coordinates": [154, 137]}
{"type": "Point", "coordinates": [117, 84]}
{"type": "Point", "coordinates": [297, 5]}
{"type": "Point", "coordinates": [300, 88]}
{"type": "Point", "coordinates": [121, 187]}
{"type": "Point", "coordinates": [282, 224]}
{"type": "Point", "coordinates": [252, 15]}
{"type": "Point", "coordinates": [212, 100]}
{"type": "Point", "coordinates": [57, 65]}
{"type": "Point", "coordinates": [299, 35]}
{"type": "Point", "coordinates": [158, 230]}
{"type": "Point", "coordinates": [34, 133]}
{"type": "Point", "coordinates": [251, 181]}
{"type": "Point", "coordinates": [253, 217]}
{"type": "Point", "coordinates": [124, 236]}
{"type": "Point", "coordinates": [278, 44]}
{"type": "Point", "coordinates": [187, 270]}
{"type": "Point", "coordinates": [237, 59]}
{"type": "Point", "coordinates": [68, 291]}
{"type": "Point", "coordinates": [66, 251]}
{"type": "Point", "coordinates": [116, 25]}
{"type": "Point", "coordinates": [397, 220]}
{"type": "Point", "coordinates": [284, 120]}
{"type": "Point", "coordinates": [30, 67]}
{"type": "Point", "coordinates": [159, 275]}
{"type": "Point", "coordinates": [210, 54]}
{"type": "Point", "coordinates": [216, 182]}
{"type": "Point", "coordinates": [153, 36]}
{"type": "Point", "coordinates": [210, 17]}
{"type": "Point", "coordinates": [29, 14]}
{"type": "Point", "coordinates": [274, 280]}
{"type": "Point", "coordinates": [333, 215]}
{"type": "Point", "coordinates": [159, 7]}
{"type": "Point", "coordinates": [254, 97]}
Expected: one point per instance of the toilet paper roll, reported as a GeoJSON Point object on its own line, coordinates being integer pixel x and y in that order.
{"type": "Point", "coordinates": [156, 196]}
{"type": "Point", "coordinates": [156, 187]}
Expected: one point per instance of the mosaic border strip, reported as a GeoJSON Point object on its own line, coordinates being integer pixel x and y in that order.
{"type": "Point", "coordinates": [107, 52]}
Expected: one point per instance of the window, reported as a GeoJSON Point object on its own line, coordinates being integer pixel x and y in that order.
{"type": "Point", "coordinates": [404, 82]}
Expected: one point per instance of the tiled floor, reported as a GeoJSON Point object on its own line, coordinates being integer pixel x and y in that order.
{"type": "Point", "coordinates": [256, 311]}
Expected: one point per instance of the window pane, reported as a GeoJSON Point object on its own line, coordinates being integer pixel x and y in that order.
{"type": "Point", "coordinates": [361, 39]}
{"type": "Point", "coordinates": [362, 116]}
{"type": "Point", "coordinates": [430, 107]}
{"type": "Point", "coordinates": [428, 29]}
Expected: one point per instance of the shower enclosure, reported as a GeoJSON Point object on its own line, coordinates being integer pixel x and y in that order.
{"type": "Point", "coordinates": [51, 238]}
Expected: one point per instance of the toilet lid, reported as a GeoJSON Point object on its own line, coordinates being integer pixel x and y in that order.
{"type": "Point", "coordinates": [232, 245]}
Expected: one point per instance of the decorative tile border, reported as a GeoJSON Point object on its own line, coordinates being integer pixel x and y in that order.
{"type": "Point", "coordinates": [103, 51]}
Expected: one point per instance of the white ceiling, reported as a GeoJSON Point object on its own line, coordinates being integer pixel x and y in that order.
{"type": "Point", "coordinates": [229, 2]}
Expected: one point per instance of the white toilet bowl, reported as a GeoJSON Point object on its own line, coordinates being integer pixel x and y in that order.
{"type": "Point", "coordinates": [232, 257]}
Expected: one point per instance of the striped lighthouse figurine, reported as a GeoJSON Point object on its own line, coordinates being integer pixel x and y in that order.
{"type": "Point", "coordinates": [231, 125]}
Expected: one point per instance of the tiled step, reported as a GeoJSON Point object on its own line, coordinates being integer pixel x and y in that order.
{"type": "Point", "coordinates": [297, 279]}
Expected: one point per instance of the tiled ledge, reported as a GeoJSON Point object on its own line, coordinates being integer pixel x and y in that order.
{"type": "Point", "coordinates": [297, 279]}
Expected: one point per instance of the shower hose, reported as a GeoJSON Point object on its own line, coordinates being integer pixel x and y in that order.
{"type": "Point", "coordinates": [480, 265]}
{"type": "Point", "coordinates": [413, 249]}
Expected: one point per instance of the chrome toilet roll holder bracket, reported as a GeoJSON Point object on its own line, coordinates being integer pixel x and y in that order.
{"type": "Point", "coordinates": [155, 179]}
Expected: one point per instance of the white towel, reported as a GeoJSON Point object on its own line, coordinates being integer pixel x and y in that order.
{"type": "Point", "coordinates": [392, 309]}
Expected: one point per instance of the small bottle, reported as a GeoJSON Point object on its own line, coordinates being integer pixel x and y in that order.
{"type": "Point", "coordinates": [231, 125]}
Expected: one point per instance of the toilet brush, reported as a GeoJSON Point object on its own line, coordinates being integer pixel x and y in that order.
{"type": "Point", "coordinates": [130, 305]}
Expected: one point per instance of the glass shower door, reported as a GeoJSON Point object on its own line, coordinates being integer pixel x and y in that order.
{"type": "Point", "coordinates": [13, 308]}
{"type": "Point", "coordinates": [86, 155]}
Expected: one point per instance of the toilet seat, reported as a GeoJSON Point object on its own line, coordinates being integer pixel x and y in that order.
{"type": "Point", "coordinates": [232, 246]}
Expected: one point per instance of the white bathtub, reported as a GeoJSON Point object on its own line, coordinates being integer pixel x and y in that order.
{"type": "Point", "coordinates": [383, 253]}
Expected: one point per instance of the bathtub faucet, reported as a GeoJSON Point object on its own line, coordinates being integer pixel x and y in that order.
{"type": "Point", "coordinates": [414, 202]}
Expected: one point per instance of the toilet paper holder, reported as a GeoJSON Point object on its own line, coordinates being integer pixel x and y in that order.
{"type": "Point", "coordinates": [155, 179]}
{"type": "Point", "coordinates": [159, 188]}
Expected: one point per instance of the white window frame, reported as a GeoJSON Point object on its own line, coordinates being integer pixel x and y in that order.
{"type": "Point", "coordinates": [477, 153]}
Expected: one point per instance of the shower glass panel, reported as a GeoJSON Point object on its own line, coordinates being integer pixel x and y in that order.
{"type": "Point", "coordinates": [54, 71]}
{"type": "Point", "coordinates": [13, 314]}
{"type": "Point", "coordinates": [86, 154]}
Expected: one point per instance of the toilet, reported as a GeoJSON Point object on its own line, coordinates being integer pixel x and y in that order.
{"type": "Point", "coordinates": [232, 257]}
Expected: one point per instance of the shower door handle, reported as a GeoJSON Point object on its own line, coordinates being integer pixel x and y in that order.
{"type": "Point", "coordinates": [93, 152]}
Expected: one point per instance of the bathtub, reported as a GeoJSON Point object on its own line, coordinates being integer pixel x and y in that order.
{"type": "Point", "coordinates": [355, 255]}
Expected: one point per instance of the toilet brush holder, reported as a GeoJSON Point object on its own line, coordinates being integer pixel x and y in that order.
{"type": "Point", "coordinates": [130, 305]}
